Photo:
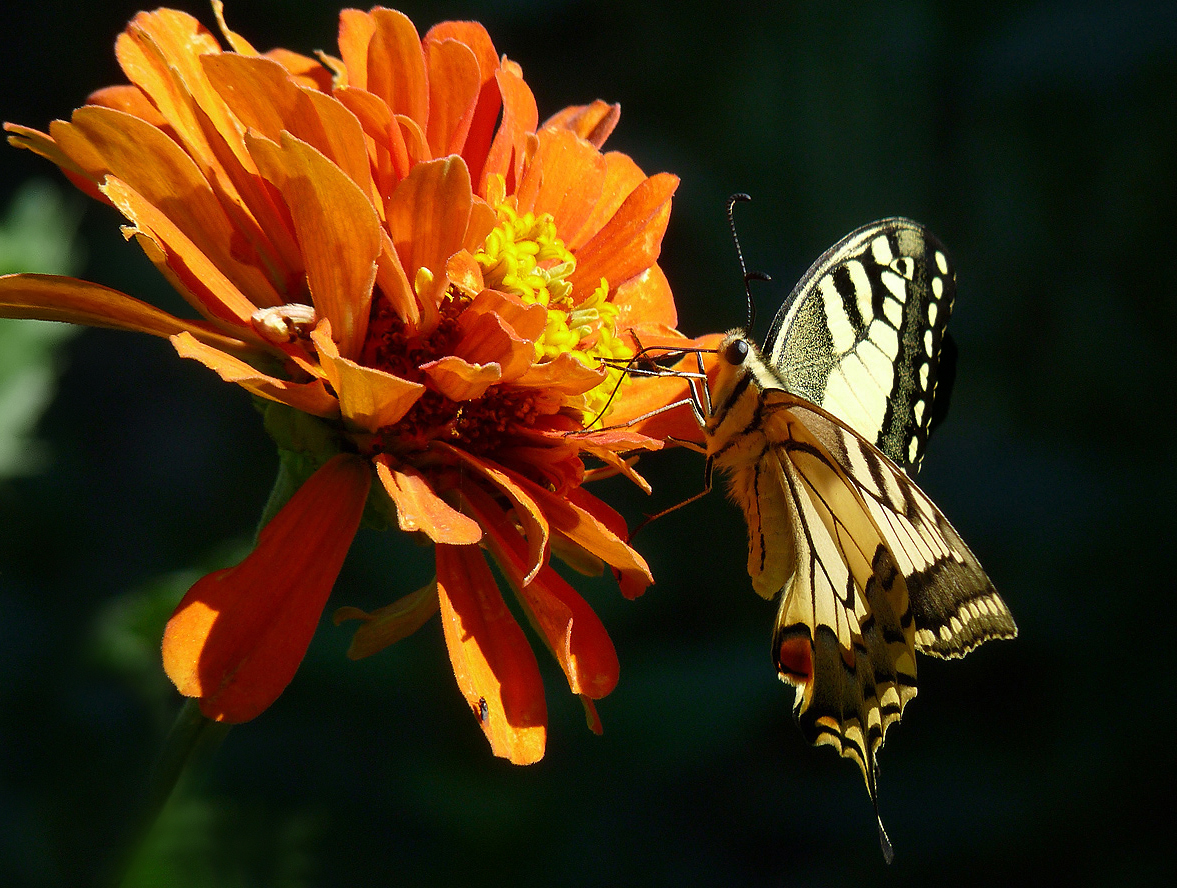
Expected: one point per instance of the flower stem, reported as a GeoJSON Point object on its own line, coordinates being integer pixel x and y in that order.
{"type": "Point", "coordinates": [189, 744]}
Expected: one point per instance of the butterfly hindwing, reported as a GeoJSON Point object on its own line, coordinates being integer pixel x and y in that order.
{"type": "Point", "coordinates": [862, 333]}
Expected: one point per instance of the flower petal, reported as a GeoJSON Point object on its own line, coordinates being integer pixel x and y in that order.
{"type": "Point", "coordinates": [486, 113]}
{"type": "Point", "coordinates": [50, 297]}
{"type": "Point", "coordinates": [593, 123]}
{"type": "Point", "coordinates": [389, 624]}
{"type": "Point", "coordinates": [488, 339]}
{"type": "Point", "coordinates": [418, 508]}
{"type": "Point", "coordinates": [563, 374]}
{"type": "Point", "coordinates": [527, 321]}
{"type": "Point", "coordinates": [337, 229]}
{"type": "Point", "coordinates": [459, 380]}
{"type": "Point", "coordinates": [454, 84]}
{"type": "Point", "coordinates": [108, 142]}
{"type": "Point", "coordinates": [586, 529]}
{"type": "Point", "coordinates": [237, 637]}
{"type": "Point", "coordinates": [428, 215]}
{"type": "Point", "coordinates": [646, 299]}
{"type": "Point", "coordinates": [396, 65]}
{"type": "Point", "coordinates": [535, 525]}
{"type": "Point", "coordinates": [368, 398]}
{"type": "Point", "coordinates": [572, 631]}
{"type": "Point", "coordinates": [520, 116]}
{"type": "Point", "coordinates": [573, 173]}
{"type": "Point", "coordinates": [494, 665]}
{"type": "Point", "coordinates": [309, 397]}
{"type": "Point", "coordinates": [260, 92]}
{"type": "Point", "coordinates": [628, 243]}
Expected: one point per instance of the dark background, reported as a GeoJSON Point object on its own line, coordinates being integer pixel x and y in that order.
{"type": "Point", "coordinates": [1038, 140]}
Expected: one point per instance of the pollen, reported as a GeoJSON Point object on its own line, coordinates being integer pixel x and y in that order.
{"type": "Point", "coordinates": [524, 255]}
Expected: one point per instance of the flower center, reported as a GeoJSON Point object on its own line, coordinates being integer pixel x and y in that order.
{"type": "Point", "coordinates": [524, 256]}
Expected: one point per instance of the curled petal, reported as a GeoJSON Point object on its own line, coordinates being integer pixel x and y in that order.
{"type": "Point", "coordinates": [309, 397]}
{"type": "Point", "coordinates": [588, 531]}
{"type": "Point", "coordinates": [418, 508]}
{"type": "Point", "coordinates": [494, 665]}
{"type": "Point", "coordinates": [460, 380]}
{"type": "Point", "coordinates": [489, 339]}
{"type": "Point", "coordinates": [389, 624]}
{"type": "Point", "coordinates": [563, 374]}
{"type": "Point", "coordinates": [593, 123]}
{"type": "Point", "coordinates": [535, 525]}
{"type": "Point", "coordinates": [368, 398]}
{"type": "Point", "coordinates": [237, 637]}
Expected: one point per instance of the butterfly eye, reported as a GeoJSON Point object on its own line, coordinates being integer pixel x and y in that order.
{"type": "Point", "coordinates": [736, 352]}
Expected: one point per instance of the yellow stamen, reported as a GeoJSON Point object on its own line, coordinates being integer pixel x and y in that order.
{"type": "Point", "coordinates": [523, 255]}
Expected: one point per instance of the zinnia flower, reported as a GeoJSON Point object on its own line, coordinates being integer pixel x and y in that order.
{"type": "Point", "coordinates": [420, 283]}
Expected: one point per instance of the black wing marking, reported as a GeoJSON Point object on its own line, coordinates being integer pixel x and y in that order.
{"type": "Point", "coordinates": [861, 334]}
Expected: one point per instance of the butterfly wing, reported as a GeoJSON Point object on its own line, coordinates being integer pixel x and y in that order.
{"type": "Point", "coordinates": [878, 573]}
{"type": "Point", "coordinates": [863, 333]}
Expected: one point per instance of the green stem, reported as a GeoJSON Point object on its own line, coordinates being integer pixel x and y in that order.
{"type": "Point", "coordinates": [189, 745]}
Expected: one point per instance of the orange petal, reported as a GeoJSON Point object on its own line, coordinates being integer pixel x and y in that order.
{"type": "Point", "coordinates": [535, 525]}
{"type": "Point", "coordinates": [587, 530]}
{"type": "Point", "coordinates": [428, 215]}
{"type": "Point", "coordinates": [338, 231]}
{"type": "Point", "coordinates": [260, 92]}
{"type": "Point", "coordinates": [394, 284]}
{"type": "Point", "coordinates": [237, 637]}
{"type": "Point", "coordinates": [396, 65]}
{"type": "Point", "coordinates": [185, 266]}
{"type": "Point", "coordinates": [50, 297]}
{"type": "Point", "coordinates": [368, 398]}
{"type": "Point", "coordinates": [593, 123]}
{"type": "Point", "coordinates": [389, 624]}
{"type": "Point", "coordinates": [488, 339]}
{"type": "Point", "coordinates": [572, 631]}
{"type": "Point", "coordinates": [454, 83]}
{"type": "Point", "coordinates": [563, 374]}
{"type": "Point", "coordinates": [163, 176]}
{"type": "Point", "coordinates": [505, 156]}
{"type": "Point", "coordinates": [418, 507]}
{"type": "Point", "coordinates": [130, 99]}
{"type": "Point", "coordinates": [309, 397]}
{"type": "Point", "coordinates": [391, 163]}
{"type": "Point", "coordinates": [494, 665]}
{"type": "Point", "coordinates": [527, 321]}
{"type": "Point", "coordinates": [646, 299]}
{"type": "Point", "coordinates": [629, 243]}
{"type": "Point", "coordinates": [573, 173]}
{"type": "Point", "coordinates": [160, 53]}
{"type": "Point", "coordinates": [355, 34]}
{"type": "Point", "coordinates": [622, 176]}
{"type": "Point", "coordinates": [460, 380]}
{"type": "Point", "coordinates": [486, 113]}
{"type": "Point", "coordinates": [42, 144]}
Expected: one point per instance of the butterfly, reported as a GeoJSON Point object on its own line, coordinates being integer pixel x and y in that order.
{"type": "Point", "coordinates": [818, 435]}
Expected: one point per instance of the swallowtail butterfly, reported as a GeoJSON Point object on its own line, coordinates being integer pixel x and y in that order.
{"type": "Point", "coordinates": [817, 434]}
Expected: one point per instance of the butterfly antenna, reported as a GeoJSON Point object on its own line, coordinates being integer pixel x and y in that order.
{"type": "Point", "coordinates": [748, 275]}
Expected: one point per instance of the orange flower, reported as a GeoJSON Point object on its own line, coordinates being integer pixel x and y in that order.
{"type": "Point", "coordinates": [420, 282]}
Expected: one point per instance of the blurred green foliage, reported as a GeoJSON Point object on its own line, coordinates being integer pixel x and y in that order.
{"type": "Point", "coordinates": [37, 234]}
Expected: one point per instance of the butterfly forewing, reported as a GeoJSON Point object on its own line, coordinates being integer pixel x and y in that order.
{"type": "Point", "coordinates": [862, 332]}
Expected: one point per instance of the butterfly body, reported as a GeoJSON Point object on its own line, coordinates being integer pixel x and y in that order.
{"type": "Point", "coordinates": [816, 434]}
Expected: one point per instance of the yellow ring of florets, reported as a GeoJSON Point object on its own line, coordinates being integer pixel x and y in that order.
{"type": "Point", "coordinates": [524, 255]}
